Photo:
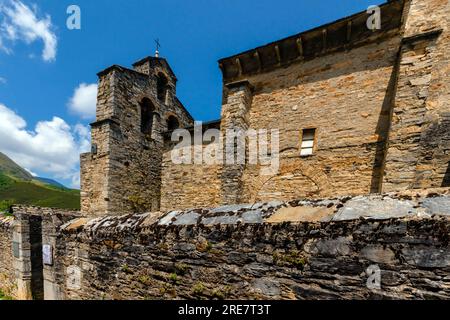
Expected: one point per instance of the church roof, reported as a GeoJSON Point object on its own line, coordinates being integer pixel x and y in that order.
{"type": "Point", "coordinates": [340, 35]}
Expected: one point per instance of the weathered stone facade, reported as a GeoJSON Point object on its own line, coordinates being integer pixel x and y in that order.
{"type": "Point", "coordinates": [419, 142]}
{"type": "Point", "coordinates": [376, 100]}
{"type": "Point", "coordinates": [188, 186]}
{"type": "Point", "coordinates": [301, 249]}
{"type": "Point", "coordinates": [123, 171]}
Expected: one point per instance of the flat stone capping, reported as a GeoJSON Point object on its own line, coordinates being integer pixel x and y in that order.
{"type": "Point", "coordinates": [104, 121]}
{"type": "Point", "coordinates": [6, 221]}
{"type": "Point", "coordinates": [414, 204]}
{"type": "Point", "coordinates": [120, 69]}
{"type": "Point", "coordinates": [34, 210]}
{"type": "Point", "coordinates": [425, 35]}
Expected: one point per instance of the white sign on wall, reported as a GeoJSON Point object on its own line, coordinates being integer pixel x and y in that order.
{"type": "Point", "coordinates": [47, 254]}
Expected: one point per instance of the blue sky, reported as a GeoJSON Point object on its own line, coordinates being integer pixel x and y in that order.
{"type": "Point", "coordinates": [37, 85]}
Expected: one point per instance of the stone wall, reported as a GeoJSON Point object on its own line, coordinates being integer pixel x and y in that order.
{"type": "Point", "coordinates": [347, 98]}
{"type": "Point", "coordinates": [419, 142]}
{"type": "Point", "coordinates": [280, 250]}
{"type": "Point", "coordinates": [351, 133]}
{"type": "Point", "coordinates": [21, 243]}
{"type": "Point", "coordinates": [186, 186]}
{"type": "Point", "coordinates": [7, 279]}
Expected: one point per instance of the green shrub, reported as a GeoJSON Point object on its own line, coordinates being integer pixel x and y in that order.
{"type": "Point", "coordinates": [5, 205]}
{"type": "Point", "coordinates": [198, 289]}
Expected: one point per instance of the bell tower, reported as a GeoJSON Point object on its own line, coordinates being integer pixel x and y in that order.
{"type": "Point", "coordinates": [135, 108]}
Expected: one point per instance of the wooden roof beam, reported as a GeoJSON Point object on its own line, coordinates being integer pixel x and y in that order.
{"type": "Point", "coordinates": [300, 47]}
{"type": "Point", "coordinates": [324, 39]}
{"type": "Point", "coordinates": [349, 31]}
{"type": "Point", "coordinates": [277, 52]}
{"type": "Point", "coordinates": [258, 60]}
{"type": "Point", "coordinates": [239, 65]}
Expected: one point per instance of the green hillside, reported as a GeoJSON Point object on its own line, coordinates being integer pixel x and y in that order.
{"type": "Point", "coordinates": [10, 168]}
{"type": "Point", "coordinates": [17, 186]}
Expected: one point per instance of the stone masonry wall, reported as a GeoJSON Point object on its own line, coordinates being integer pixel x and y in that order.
{"type": "Point", "coordinates": [7, 279]}
{"type": "Point", "coordinates": [280, 250]}
{"type": "Point", "coordinates": [351, 132]}
{"type": "Point", "coordinates": [419, 143]}
{"type": "Point", "coordinates": [33, 227]}
{"type": "Point", "coordinates": [94, 166]}
{"type": "Point", "coordinates": [235, 117]}
{"type": "Point", "coordinates": [347, 97]}
{"type": "Point", "coordinates": [186, 186]}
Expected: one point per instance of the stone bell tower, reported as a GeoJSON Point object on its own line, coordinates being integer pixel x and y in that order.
{"type": "Point", "coordinates": [135, 107]}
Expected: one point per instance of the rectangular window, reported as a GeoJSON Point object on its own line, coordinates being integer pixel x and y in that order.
{"type": "Point", "coordinates": [308, 139]}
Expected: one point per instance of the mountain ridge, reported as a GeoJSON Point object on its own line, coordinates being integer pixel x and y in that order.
{"type": "Point", "coordinates": [10, 168]}
{"type": "Point", "coordinates": [18, 186]}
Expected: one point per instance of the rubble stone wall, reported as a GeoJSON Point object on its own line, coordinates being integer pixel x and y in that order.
{"type": "Point", "coordinates": [327, 249]}
{"type": "Point", "coordinates": [7, 278]}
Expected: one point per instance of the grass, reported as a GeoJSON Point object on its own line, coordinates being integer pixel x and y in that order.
{"type": "Point", "coordinates": [5, 181]}
{"type": "Point", "coordinates": [4, 297]}
{"type": "Point", "coordinates": [31, 193]}
{"type": "Point", "coordinates": [11, 168]}
{"type": "Point", "coordinates": [17, 186]}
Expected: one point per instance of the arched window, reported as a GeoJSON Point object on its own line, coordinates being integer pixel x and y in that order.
{"type": "Point", "coordinates": [162, 87]}
{"type": "Point", "coordinates": [147, 111]}
{"type": "Point", "coordinates": [172, 123]}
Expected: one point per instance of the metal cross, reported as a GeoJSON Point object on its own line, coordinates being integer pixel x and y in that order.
{"type": "Point", "coordinates": [158, 45]}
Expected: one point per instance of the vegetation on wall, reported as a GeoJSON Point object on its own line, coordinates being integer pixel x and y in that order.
{"type": "Point", "coordinates": [4, 297]}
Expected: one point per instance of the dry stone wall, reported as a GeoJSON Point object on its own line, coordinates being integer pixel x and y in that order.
{"type": "Point", "coordinates": [31, 231]}
{"type": "Point", "coordinates": [7, 278]}
{"type": "Point", "coordinates": [322, 249]}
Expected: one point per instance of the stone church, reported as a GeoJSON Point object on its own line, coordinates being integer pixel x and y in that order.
{"type": "Point", "coordinates": [360, 110]}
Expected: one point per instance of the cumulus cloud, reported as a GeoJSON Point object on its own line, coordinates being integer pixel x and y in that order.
{"type": "Point", "coordinates": [52, 148]}
{"type": "Point", "coordinates": [84, 100]}
{"type": "Point", "coordinates": [20, 22]}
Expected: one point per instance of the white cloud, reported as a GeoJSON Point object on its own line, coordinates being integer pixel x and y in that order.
{"type": "Point", "coordinates": [2, 80]}
{"type": "Point", "coordinates": [52, 148]}
{"type": "Point", "coordinates": [84, 100]}
{"type": "Point", "coordinates": [31, 172]}
{"type": "Point", "coordinates": [20, 22]}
